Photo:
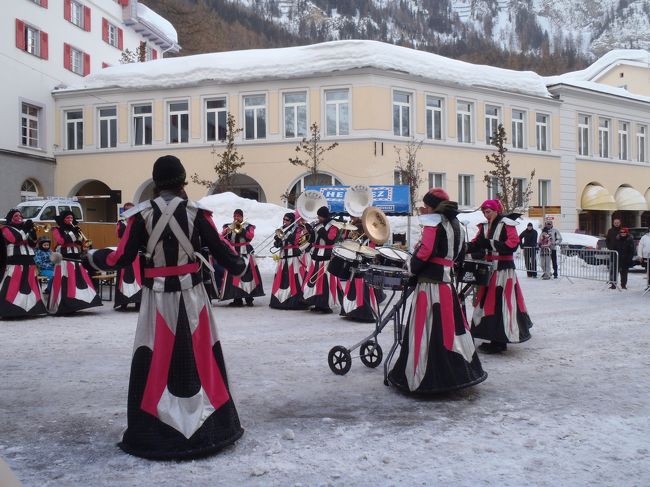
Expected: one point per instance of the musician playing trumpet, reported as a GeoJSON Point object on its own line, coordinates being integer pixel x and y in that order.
{"type": "Point", "coordinates": [72, 289]}
{"type": "Point", "coordinates": [437, 352]}
{"type": "Point", "coordinates": [287, 283]}
{"type": "Point", "coordinates": [248, 286]}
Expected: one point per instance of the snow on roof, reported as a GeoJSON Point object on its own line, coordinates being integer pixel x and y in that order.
{"type": "Point", "coordinates": [165, 27]}
{"type": "Point", "coordinates": [304, 61]}
{"type": "Point", "coordinates": [602, 88]}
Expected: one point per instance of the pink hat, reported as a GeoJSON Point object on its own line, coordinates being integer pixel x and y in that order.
{"type": "Point", "coordinates": [494, 205]}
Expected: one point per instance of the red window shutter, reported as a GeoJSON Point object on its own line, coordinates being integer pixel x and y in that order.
{"type": "Point", "coordinates": [20, 34]}
{"type": "Point", "coordinates": [44, 3]}
{"type": "Point", "coordinates": [67, 64]}
{"type": "Point", "coordinates": [104, 30]}
{"type": "Point", "coordinates": [105, 65]}
{"type": "Point", "coordinates": [87, 19]}
{"type": "Point", "coordinates": [86, 64]}
{"type": "Point", "coordinates": [120, 39]}
{"type": "Point", "coordinates": [154, 54]}
{"type": "Point", "coordinates": [44, 46]}
{"type": "Point", "coordinates": [67, 10]}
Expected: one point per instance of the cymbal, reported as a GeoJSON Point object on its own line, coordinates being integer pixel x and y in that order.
{"type": "Point", "coordinates": [349, 226]}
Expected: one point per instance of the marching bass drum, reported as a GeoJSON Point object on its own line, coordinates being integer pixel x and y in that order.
{"type": "Point", "coordinates": [475, 272]}
{"type": "Point", "coordinates": [342, 262]}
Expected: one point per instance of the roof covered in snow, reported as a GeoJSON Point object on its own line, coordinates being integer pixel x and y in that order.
{"type": "Point", "coordinates": [312, 60]}
{"type": "Point", "coordinates": [145, 14]}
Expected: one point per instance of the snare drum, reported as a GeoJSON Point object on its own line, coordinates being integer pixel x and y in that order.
{"type": "Point", "coordinates": [476, 272]}
{"type": "Point", "coordinates": [352, 245]}
{"type": "Point", "coordinates": [367, 255]}
{"type": "Point", "coordinates": [386, 277]}
{"type": "Point", "coordinates": [392, 257]}
{"type": "Point", "coordinates": [343, 260]}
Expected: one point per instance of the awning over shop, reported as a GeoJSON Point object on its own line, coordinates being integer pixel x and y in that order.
{"type": "Point", "coordinates": [595, 197]}
{"type": "Point", "coordinates": [630, 199]}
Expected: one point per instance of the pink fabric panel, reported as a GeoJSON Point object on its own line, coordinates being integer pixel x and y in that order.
{"type": "Point", "coordinates": [427, 241]}
{"type": "Point", "coordinates": [512, 239]}
{"type": "Point", "coordinates": [86, 277]}
{"type": "Point", "coordinates": [292, 280]}
{"type": "Point", "coordinates": [358, 283]}
{"type": "Point", "coordinates": [508, 295]}
{"type": "Point", "coordinates": [421, 306]}
{"type": "Point", "coordinates": [333, 285]}
{"type": "Point", "coordinates": [56, 235]}
{"type": "Point", "coordinates": [72, 279]}
{"type": "Point", "coordinates": [521, 305]}
{"type": "Point", "coordinates": [209, 373]}
{"type": "Point", "coordinates": [447, 316]}
{"type": "Point", "coordinates": [277, 279]}
{"type": "Point", "coordinates": [33, 283]}
{"type": "Point", "coordinates": [159, 368]}
{"type": "Point", "coordinates": [490, 300]}
{"type": "Point", "coordinates": [14, 284]}
{"type": "Point", "coordinates": [8, 235]}
{"type": "Point", "coordinates": [332, 232]}
{"type": "Point", "coordinates": [250, 233]}
{"type": "Point", "coordinates": [56, 284]}
{"type": "Point", "coordinates": [256, 277]}
{"type": "Point", "coordinates": [114, 256]}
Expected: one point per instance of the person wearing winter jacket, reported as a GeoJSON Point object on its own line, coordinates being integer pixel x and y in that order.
{"type": "Point", "coordinates": [643, 251]}
{"type": "Point", "coordinates": [528, 242]}
{"type": "Point", "coordinates": [624, 245]}
{"type": "Point", "coordinates": [556, 241]}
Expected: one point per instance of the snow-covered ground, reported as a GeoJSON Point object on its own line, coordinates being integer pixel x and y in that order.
{"type": "Point", "coordinates": [569, 407]}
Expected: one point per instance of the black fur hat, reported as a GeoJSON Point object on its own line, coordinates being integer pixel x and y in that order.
{"type": "Point", "coordinates": [323, 211]}
{"type": "Point", "coordinates": [168, 172]}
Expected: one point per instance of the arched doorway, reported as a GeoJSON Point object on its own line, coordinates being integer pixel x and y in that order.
{"type": "Point", "coordinates": [144, 192]}
{"type": "Point", "coordinates": [630, 205]}
{"type": "Point", "coordinates": [596, 203]}
{"type": "Point", "coordinates": [320, 179]}
{"type": "Point", "coordinates": [30, 189]}
{"type": "Point", "coordinates": [94, 197]}
{"type": "Point", "coordinates": [245, 187]}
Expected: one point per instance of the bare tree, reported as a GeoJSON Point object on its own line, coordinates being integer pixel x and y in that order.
{"type": "Point", "coordinates": [139, 55]}
{"type": "Point", "coordinates": [409, 169]}
{"type": "Point", "coordinates": [228, 162]}
{"type": "Point", "coordinates": [498, 178]}
{"type": "Point", "coordinates": [312, 151]}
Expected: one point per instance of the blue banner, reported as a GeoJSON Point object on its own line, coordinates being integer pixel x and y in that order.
{"type": "Point", "coordinates": [392, 200]}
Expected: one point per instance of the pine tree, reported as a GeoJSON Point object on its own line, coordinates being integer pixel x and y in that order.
{"type": "Point", "coordinates": [508, 192]}
{"type": "Point", "coordinates": [409, 169]}
{"type": "Point", "coordinates": [228, 162]}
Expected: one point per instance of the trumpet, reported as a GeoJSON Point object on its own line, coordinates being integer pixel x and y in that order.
{"type": "Point", "coordinates": [236, 227]}
{"type": "Point", "coordinates": [43, 228]}
{"type": "Point", "coordinates": [86, 243]}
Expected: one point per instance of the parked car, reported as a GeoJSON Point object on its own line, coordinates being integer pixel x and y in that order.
{"type": "Point", "coordinates": [589, 248]}
{"type": "Point", "coordinates": [44, 210]}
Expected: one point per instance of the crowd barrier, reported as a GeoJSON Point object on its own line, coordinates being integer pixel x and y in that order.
{"type": "Point", "coordinates": [592, 264]}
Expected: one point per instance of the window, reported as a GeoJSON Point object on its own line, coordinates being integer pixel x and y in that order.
{"type": "Point", "coordinates": [29, 125]}
{"type": "Point", "coordinates": [112, 34]}
{"type": "Point", "coordinates": [437, 180]}
{"type": "Point", "coordinates": [623, 140]}
{"type": "Point", "coordinates": [216, 116]}
{"type": "Point", "coordinates": [541, 131]}
{"type": "Point", "coordinates": [74, 130]}
{"type": "Point", "coordinates": [75, 60]}
{"type": "Point", "coordinates": [76, 13]}
{"type": "Point", "coordinates": [465, 192]}
{"type": "Point", "coordinates": [179, 122]}
{"type": "Point", "coordinates": [492, 116]}
{"type": "Point", "coordinates": [337, 112]}
{"type": "Point", "coordinates": [255, 117]}
{"type": "Point", "coordinates": [584, 125]}
{"type": "Point", "coordinates": [107, 127]}
{"type": "Point", "coordinates": [295, 114]}
{"type": "Point", "coordinates": [518, 126]}
{"type": "Point", "coordinates": [641, 143]}
{"type": "Point", "coordinates": [142, 124]}
{"type": "Point", "coordinates": [29, 189]}
{"type": "Point", "coordinates": [319, 179]}
{"type": "Point", "coordinates": [150, 54]}
{"type": "Point", "coordinates": [41, 3]}
{"type": "Point", "coordinates": [544, 192]}
{"type": "Point", "coordinates": [519, 187]}
{"type": "Point", "coordinates": [464, 121]}
{"type": "Point", "coordinates": [434, 117]}
{"type": "Point", "coordinates": [603, 137]}
{"type": "Point", "coordinates": [397, 177]}
{"type": "Point", "coordinates": [493, 188]}
{"type": "Point", "coordinates": [31, 40]}
{"type": "Point", "coordinates": [401, 113]}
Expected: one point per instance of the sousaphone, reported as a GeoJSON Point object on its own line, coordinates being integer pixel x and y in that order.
{"type": "Point", "coordinates": [357, 198]}
{"type": "Point", "coordinates": [308, 204]}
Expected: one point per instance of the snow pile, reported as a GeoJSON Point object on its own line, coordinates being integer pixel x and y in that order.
{"type": "Point", "coordinates": [148, 16]}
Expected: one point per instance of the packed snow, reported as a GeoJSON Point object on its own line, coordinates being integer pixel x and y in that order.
{"type": "Point", "coordinates": [163, 25]}
{"type": "Point", "coordinates": [569, 407]}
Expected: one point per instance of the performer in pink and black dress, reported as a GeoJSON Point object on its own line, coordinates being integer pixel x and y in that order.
{"type": "Point", "coordinates": [72, 289]}
{"type": "Point", "coordinates": [287, 283]}
{"type": "Point", "coordinates": [20, 294]}
{"type": "Point", "coordinates": [500, 314]}
{"type": "Point", "coordinates": [437, 351]}
{"type": "Point", "coordinates": [129, 279]}
{"type": "Point", "coordinates": [239, 288]}
{"type": "Point", "coordinates": [320, 288]}
{"type": "Point", "coordinates": [179, 404]}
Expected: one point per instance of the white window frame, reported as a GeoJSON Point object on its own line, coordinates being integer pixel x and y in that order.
{"type": "Point", "coordinates": [465, 195]}
{"type": "Point", "coordinates": [113, 36]}
{"type": "Point", "coordinates": [135, 118]}
{"type": "Point", "coordinates": [641, 143]}
{"type": "Point", "coordinates": [493, 187]}
{"type": "Point", "coordinates": [403, 110]}
{"type": "Point", "coordinates": [434, 117]}
{"type": "Point", "coordinates": [438, 180]}
{"type": "Point", "coordinates": [77, 14]}
{"type": "Point", "coordinates": [544, 192]}
{"type": "Point", "coordinates": [522, 183]}
{"type": "Point", "coordinates": [33, 40]}
{"type": "Point", "coordinates": [76, 141]}
{"type": "Point", "coordinates": [542, 132]}
{"type": "Point", "coordinates": [298, 184]}
{"type": "Point", "coordinates": [110, 122]}
{"type": "Point", "coordinates": [338, 106]}
{"type": "Point", "coordinates": [181, 118]}
{"type": "Point", "coordinates": [604, 137]}
{"type": "Point", "coordinates": [218, 112]}
{"type": "Point", "coordinates": [492, 122]}
{"type": "Point", "coordinates": [30, 135]}
{"type": "Point", "coordinates": [584, 134]}
{"type": "Point", "coordinates": [148, 53]}
{"type": "Point", "coordinates": [623, 140]}
{"type": "Point", "coordinates": [259, 112]}
{"type": "Point", "coordinates": [76, 61]}
{"type": "Point", "coordinates": [464, 121]}
{"type": "Point", "coordinates": [518, 133]}
{"type": "Point", "coordinates": [299, 110]}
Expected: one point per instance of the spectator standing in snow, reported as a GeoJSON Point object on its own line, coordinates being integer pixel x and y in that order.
{"type": "Point", "coordinates": [610, 243]}
{"type": "Point", "coordinates": [528, 242]}
{"type": "Point", "coordinates": [624, 245]}
{"type": "Point", "coordinates": [643, 251]}
{"type": "Point", "coordinates": [545, 253]}
{"type": "Point", "coordinates": [556, 241]}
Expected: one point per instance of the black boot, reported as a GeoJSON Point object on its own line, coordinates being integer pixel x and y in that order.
{"type": "Point", "coordinates": [238, 302]}
{"type": "Point", "coordinates": [249, 301]}
{"type": "Point", "coordinates": [493, 347]}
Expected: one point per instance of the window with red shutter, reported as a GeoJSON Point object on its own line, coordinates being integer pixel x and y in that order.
{"type": "Point", "coordinates": [86, 64]}
{"type": "Point", "coordinates": [87, 19]}
{"type": "Point", "coordinates": [67, 8]}
{"type": "Point", "coordinates": [44, 45]}
{"type": "Point", "coordinates": [154, 54]}
{"type": "Point", "coordinates": [20, 34]}
{"type": "Point", "coordinates": [120, 39]}
{"type": "Point", "coordinates": [67, 64]}
{"type": "Point", "coordinates": [105, 65]}
{"type": "Point", "coordinates": [44, 3]}
{"type": "Point", "coordinates": [104, 30]}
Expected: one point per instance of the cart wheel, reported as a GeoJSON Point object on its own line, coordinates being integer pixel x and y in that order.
{"type": "Point", "coordinates": [339, 360]}
{"type": "Point", "coordinates": [371, 354]}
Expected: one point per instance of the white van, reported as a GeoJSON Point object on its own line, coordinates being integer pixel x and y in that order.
{"type": "Point", "coordinates": [44, 210]}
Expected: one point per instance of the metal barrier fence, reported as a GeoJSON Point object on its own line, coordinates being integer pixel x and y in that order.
{"type": "Point", "coordinates": [592, 264]}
